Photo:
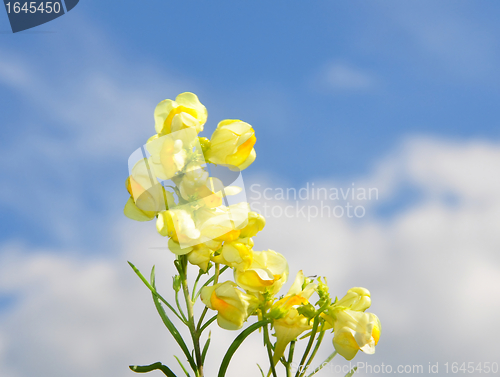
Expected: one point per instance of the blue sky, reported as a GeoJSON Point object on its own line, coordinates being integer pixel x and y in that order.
{"type": "Point", "coordinates": [331, 87]}
{"type": "Point", "coordinates": [424, 68]}
{"type": "Point", "coordinates": [398, 95]}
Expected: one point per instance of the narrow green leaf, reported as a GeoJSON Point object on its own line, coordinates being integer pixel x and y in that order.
{"type": "Point", "coordinates": [308, 347]}
{"type": "Point", "coordinates": [156, 366]}
{"type": "Point", "coordinates": [153, 290]}
{"type": "Point", "coordinates": [208, 323]}
{"type": "Point", "coordinates": [236, 343]}
{"type": "Point", "coordinates": [353, 370]}
{"type": "Point", "coordinates": [182, 366]}
{"type": "Point", "coordinates": [261, 371]}
{"type": "Point", "coordinates": [200, 273]}
{"type": "Point", "coordinates": [171, 327]}
{"type": "Point", "coordinates": [205, 348]}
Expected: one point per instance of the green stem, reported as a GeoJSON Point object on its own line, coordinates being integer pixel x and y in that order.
{"type": "Point", "coordinates": [153, 290]}
{"type": "Point", "coordinates": [201, 318]}
{"type": "Point", "coordinates": [216, 275]}
{"type": "Point", "coordinates": [209, 281]}
{"type": "Point", "coordinates": [236, 343]}
{"type": "Point", "coordinates": [179, 307]}
{"type": "Point", "coordinates": [290, 359]}
{"type": "Point", "coordinates": [269, 350]}
{"type": "Point", "coordinates": [195, 284]}
{"type": "Point", "coordinates": [189, 305]}
{"type": "Point", "coordinates": [207, 324]}
{"type": "Point", "coordinates": [323, 364]}
{"type": "Point", "coordinates": [301, 369]}
{"type": "Point", "coordinates": [313, 354]}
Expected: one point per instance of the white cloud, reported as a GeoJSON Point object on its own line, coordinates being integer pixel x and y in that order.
{"type": "Point", "coordinates": [340, 76]}
{"type": "Point", "coordinates": [433, 270]}
{"type": "Point", "coordinates": [75, 121]}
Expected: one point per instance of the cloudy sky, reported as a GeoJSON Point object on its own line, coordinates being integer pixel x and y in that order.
{"type": "Point", "coordinates": [397, 96]}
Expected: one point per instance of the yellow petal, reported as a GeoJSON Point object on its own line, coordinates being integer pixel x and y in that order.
{"type": "Point", "coordinates": [251, 158]}
{"type": "Point", "coordinates": [345, 344]}
{"type": "Point", "coordinates": [175, 248]}
{"type": "Point", "coordinates": [135, 213]}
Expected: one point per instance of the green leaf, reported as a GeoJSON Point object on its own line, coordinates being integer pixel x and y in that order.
{"type": "Point", "coordinates": [353, 370]}
{"type": "Point", "coordinates": [261, 371]}
{"type": "Point", "coordinates": [153, 290]}
{"type": "Point", "coordinates": [208, 323]}
{"type": "Point", "coordinates": [171, 327]}
{"type": "Point", "coordinates": [182, 366]}
{"type": "Point", "coordinates": [205, 348]}
{"type": "Point", "coordinates": [236, 343]}
{"type": "Point", "coordinates": [149, 368]}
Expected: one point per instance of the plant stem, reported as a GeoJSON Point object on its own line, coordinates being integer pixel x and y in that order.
{"type": "Point", "coordinates": [269, 351]}
{"type": "Point", "coordinates": [189, 305]}
{"type": "Point", "coordinates": [216, 276]}
{"type": "Point", "coordinates": [207, 324]}
{"type": "Point", "coordinates": [201, 318]}
{"type": "Point", "coordinates": [195, 284]}
{"type": "Point", "coordinates": [290, 359]}
{"type": "Point", "coordinates": [179, 307]}
{"type": "Point", "coordinates": [301, 368]}
{"type": "Point", "coordinates": [318, 343]}
{"type": "Point", "coordinates": [323, 364]}
{"type": "Point", "coordinates": [209, 281]}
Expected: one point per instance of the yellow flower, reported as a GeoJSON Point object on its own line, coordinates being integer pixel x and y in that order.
{"type": "Point", "coordinates": [169, 153]}
{"type": "Point", "coordinates": [148, 197]}
{"type": "Point", "coordinates": [267, 273]}
{"type": "Point", "coordinates": [256, 223]}
{"type": "Point", "coordinates": [354, 331]}
{"type": "Point", "coordinates": [233, 306]}
{"type": "Point", "coordinates": [200, 256]}
{"type": "Point", "coordinates": [194, 176]}
{"type": "Point", "coordinates": [298, 294]}
{"type": "Point", "coordinates": [357, 298]}
{"type": "Point", "coordinates": [135, 213]}
{"type": "Point", "coordinates": [235, 254]}
{"type": "Point", "coordinates": [185, 112]}
{"type": "Point", "coordinates": [232, 144]}
{"type": "Point", "coordinates": [179, 225]}
{"type": "Point", "coordinates": [196, 185]}
{"type": "Point", "coordinates": [223, 223]}
{"type": "Point", "coordinates": [291, 324]}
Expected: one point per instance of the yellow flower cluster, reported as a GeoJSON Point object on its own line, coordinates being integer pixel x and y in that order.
{"type": "Point", "coordinates": [170, 181]}
{"type": "Point", "coordinates": [354, 329]}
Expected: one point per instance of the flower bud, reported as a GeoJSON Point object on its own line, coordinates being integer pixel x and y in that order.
{"type": "Point", "coordinates": [185, 112]}
{"type": "Point", "coordinates": [256, 223]}
{"type": "Point", "coordinates": [232, 144]}
{"type": "Point", "coordinates": [357, 298]}
{"type": "Point", "coordinates": [176, 284]}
